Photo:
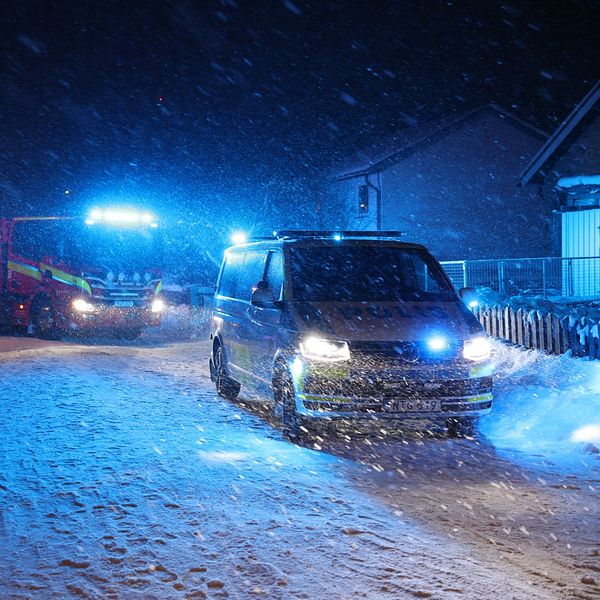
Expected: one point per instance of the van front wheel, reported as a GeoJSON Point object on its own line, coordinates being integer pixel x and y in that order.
{"type": "Point", "coordinates": [226, 387]}
{"type": "Point", "coordinates": [285, 397]}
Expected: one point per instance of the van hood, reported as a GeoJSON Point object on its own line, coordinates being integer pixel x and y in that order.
{"type": "Point", "coordinates": [385, 321]}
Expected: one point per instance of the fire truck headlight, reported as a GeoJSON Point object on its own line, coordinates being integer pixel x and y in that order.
{"type": "Point", "coordinates": [82, 305]}
{"type": "Point", "coordinates": [158, 305]}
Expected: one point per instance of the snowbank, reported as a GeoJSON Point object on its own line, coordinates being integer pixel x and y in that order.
{"type": "Point", "coordinates": [546, 406]}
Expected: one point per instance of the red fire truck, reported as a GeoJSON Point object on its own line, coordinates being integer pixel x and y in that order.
{"type": "Point", "coordinates": [97, 274]}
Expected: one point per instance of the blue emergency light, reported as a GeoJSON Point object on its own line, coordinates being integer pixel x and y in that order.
{"type": "Point", "coordinates": [120, 216]}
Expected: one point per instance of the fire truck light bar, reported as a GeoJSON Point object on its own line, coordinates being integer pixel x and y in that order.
{"type": "Point", "coordinates": [120, 217]}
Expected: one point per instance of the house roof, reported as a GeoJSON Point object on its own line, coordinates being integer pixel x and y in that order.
{"type": "Point", "coordinates": [405, 142]}
{"type": "Point", "coordinates": [557, 140]}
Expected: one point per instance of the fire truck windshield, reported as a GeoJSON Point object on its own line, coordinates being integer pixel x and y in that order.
{"type": "Point", "coordinates": [88, 246]}
{"type": "Point", "coordinates": [134, 247]}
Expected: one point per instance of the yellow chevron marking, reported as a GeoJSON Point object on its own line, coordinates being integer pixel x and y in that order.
{"type": "Point", "coordinates": [67, 278]}
{"type": "Point", "coordinates": [25, 269]}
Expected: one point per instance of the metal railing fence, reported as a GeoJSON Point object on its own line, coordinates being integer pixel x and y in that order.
{"type": "Point", "coordinates": [548, 277]}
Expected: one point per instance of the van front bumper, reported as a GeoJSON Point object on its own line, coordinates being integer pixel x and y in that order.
{"type": "Point", "coordinates": [367, 408]}
{"type": "Point", "coordinates": [416, 392]}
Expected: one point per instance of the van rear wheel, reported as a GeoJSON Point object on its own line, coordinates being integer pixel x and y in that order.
{"type": "Point", "coordinates": [226, 387]}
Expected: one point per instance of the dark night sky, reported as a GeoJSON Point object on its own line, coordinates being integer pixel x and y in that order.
{"type": "Point", "coordinates": [187, 100]}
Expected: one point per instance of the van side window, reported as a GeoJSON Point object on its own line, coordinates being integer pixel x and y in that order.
{"type": "Point", "coordinates": [275, 274]}
{"type": "Point", "coordinates": [229, 276]}
{"type": "Point", "coordinates": [251, 274]}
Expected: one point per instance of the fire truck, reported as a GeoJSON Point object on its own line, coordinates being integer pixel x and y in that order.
{"type": "Point", "coordinates": [95, 274]}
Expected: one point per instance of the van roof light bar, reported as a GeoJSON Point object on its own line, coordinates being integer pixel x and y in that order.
{"type": "Point", "coordinates": [337, 235]}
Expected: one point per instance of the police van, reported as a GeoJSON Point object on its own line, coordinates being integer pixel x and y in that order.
{"type": "Point", "coordinates": [348, 325]}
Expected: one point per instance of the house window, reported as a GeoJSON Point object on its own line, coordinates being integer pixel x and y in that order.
{"type": "Point", "coordinates": [363, 199]}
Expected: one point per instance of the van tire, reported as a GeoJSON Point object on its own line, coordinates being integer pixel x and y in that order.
{"type": "Point", "coordinates": [43, 319]}
{"type": "Point", "coordinates": [284, 395]}
{"type": "Point", "coordinates": [460, 427]}
{"type": "Point", "coordinates": [226, 387]}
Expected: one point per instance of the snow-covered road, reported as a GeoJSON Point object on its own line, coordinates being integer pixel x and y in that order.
{"type": "Point", "coordinates": [123, 475]}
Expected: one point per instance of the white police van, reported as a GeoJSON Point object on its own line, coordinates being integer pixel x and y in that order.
{"type": "Point", "coordinates": [353, 325]}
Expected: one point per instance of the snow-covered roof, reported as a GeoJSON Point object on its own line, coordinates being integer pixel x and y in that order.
{"type": "Point", "coordinates": [558, 138]}
{"type": "Point", "coordinates": [577, 180]}
{"type": "Point", "coordinates": [406, 141]}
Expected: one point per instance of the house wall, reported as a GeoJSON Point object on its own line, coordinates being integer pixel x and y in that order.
{"type": "Point", "coordinates": [458, 195]}
{"type": "Point", "coordinates": [581, 238]}
{"type": "Point", "coordinates": [345, 196]}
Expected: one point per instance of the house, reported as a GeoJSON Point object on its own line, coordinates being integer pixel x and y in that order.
{"type": "Point", "coordinates": [566, 171]}
{"type": "Point", "coordinates": [451, 185]}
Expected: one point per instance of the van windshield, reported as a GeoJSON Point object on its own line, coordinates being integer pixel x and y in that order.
{"type": "Point", "coordinates": [366, 273]}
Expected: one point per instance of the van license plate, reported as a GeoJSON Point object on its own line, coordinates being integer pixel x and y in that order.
{"type": "Point", "coordinates": [123, 303]}
{"type": "Point", "coordinates": [404, 406]}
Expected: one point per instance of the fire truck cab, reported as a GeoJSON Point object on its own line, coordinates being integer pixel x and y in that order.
{"type": "Point", "coordinates": [67, 274]}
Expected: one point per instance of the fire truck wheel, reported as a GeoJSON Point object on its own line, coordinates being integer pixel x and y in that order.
{"type": "Point", "coordinates": [43, 319]}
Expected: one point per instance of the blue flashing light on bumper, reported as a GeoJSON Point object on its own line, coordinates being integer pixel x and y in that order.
{"type": "Point", "coordinates": [438, 343]}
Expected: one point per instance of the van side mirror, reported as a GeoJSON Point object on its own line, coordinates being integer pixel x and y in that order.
{"type": "Point", "coordinates": [262, 296]}
{"type": "Point", "coordinates": [469, 297]}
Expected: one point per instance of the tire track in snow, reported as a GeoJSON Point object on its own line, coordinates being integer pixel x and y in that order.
{"type": "Point", "coordinates": [126, 476]}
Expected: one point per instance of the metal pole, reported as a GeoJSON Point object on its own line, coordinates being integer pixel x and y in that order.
{"type": "Point", "coordinates": [544, 277]}
{"type": "Point", "coordinates": [378, 194]}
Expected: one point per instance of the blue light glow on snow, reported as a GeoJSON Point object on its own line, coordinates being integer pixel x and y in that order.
{"type": "Point", "coordinates": [587, 433]}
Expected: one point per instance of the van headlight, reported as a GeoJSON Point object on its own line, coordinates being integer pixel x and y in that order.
{"type": "Point", "coordinates": [477, 349]}
{"type": "Point", "coordinates": [82, 305]}
{"type": "Point", "coordinates": [315, 348]}
{"type": "Point", "coordinates": [158, 305]}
